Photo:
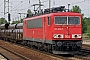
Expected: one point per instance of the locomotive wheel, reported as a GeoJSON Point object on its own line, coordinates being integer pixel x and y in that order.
{"type": "Point", "coordinates": [30, 44]}
{"type": "Point", "coordinates": [48, 48]}
{"type": "Point", "coordinates": [45, 47]}
{"type": "Point", "coordinates": [40, 46]}
{"type": "Point", "coordinates": [24, 43]}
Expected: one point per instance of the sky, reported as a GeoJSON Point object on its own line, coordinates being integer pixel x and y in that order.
{"type": "Point", "coordinates": [21, 6]}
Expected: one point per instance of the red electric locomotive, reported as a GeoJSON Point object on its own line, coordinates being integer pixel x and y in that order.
{"type": "Point", "coordinates": [59, 32]}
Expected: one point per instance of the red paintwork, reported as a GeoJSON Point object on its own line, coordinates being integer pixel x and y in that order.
{"type": "Point", "coordinates": [46, 32]}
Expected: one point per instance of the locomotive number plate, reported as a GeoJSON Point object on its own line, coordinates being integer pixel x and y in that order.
{"type": "Point", "coordinates": [58, 28]}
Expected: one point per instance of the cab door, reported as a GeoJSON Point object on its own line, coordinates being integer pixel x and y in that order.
{"type": "Point", "coordinates": [44, 29]}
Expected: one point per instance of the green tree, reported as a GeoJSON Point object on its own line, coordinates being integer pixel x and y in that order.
{"type": "Point", "coordinates": [18, 21]}
{"type": "Point", "coordinates": [2, 21]}
{"type": "Point", "coordinates": [88, 25]}
{"type": "Point", "coordinates": [84, 24]}
{"type": "Point", "coordinates": [29, 11]}
{"type": "Point", "coordinates": [21, 20]}
{"type": "Point", "coordinates": [76, 9]}
{"type": "Point", "coordinates": [15, 22]}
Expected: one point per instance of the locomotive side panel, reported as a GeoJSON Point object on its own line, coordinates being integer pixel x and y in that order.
{"type": "Point", "coordinates": [33, 30]}
{"type": "Point", "coordinates": [39, 30]}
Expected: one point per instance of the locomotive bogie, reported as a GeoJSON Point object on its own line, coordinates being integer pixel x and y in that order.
{"type": "Point", "coordinates": [68, 47]}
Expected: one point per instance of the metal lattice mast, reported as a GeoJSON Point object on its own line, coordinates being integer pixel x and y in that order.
{"type": "Point", "coordinates": [4, 9]}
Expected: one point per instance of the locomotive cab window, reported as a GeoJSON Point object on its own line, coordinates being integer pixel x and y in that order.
{"type": "Point", "coordinates": [73, 20]}
{"type": "Point", "coordinates": [60, 20]}
{"type": "Point", "coordinates": [49, 21]}
{"type": "Point", "coordinates": [68, 20]}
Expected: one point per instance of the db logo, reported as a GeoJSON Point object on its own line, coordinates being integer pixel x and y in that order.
{"type": "Point", "coordinates": [67, 36]}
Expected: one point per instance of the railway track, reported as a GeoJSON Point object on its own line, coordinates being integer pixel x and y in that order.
{"type": "Point", "coordinates": [12, 55]}
{"type": "Point", "coordinates": [40, 55]}
{"type": "Point", "coordinates": [59, 57]}
{"type": "Point", "coordinates": [84, 53]}
{"type": "Point", "coordinates": [2, 57]}
{"type": "Point", "coordinates": [27, 52]}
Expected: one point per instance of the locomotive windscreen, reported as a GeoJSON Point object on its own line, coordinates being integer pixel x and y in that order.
{"type": "Point", "coordinates": [60, 20]}
{"type": "Point", "coordinates": [73, 20]}
{"type": "Point", "coordinates": [70, 20]}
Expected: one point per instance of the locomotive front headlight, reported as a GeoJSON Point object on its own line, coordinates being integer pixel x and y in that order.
{"type": "Point", "coordinates": [79, 36]}
{"type": "Point", "coordinates": [60, 35]}
{"type": "Point", "coordinates": [76, 35]}
{"type": "Point", "coordinates": [55, 36]}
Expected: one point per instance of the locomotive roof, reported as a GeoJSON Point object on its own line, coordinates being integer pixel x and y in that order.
{"type": "Point", "coordinates": [58, 13]}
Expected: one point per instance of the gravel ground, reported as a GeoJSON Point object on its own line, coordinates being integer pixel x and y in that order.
{"type": "Point", "coordinates": [29, 53]}
{"type": "Point", "coordinates": [86, 42]}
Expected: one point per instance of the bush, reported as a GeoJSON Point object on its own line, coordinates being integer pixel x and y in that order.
{"type": "Point", "coordinates": [88, 35]}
